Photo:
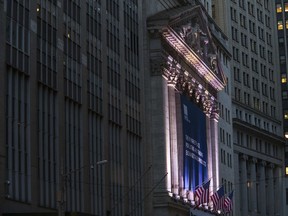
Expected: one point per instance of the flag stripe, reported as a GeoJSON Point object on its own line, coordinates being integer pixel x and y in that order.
{"type": "Point", "coordinates": [202, 193]}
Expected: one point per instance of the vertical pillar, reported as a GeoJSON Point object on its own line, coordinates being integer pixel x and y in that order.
{"type": "Point", "coordinates": [173, 139]}
{"type": "Point", "coordinates": [215, 150]}
{"type": "Point", "coordinates": [253, 186]}
{"type": "Point", "coordinates": [262, 188]}
{"type": "Point", "coordinates": [243, 181]}
{"type": "Point", "coordinates": [270, 191]}
{"type": "Point", "coordinates": [209, 151]}
{"type": "Point", "coordinates": [278, 201]}
{"type": "Point", "coordinates": [237, 195]}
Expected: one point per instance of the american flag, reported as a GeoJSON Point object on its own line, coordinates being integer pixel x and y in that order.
{"type": "Point", "coordinates": [228, 203]}
{"type": "Point", "coordinates": [218, 199]}
{"type": "Point", "coordinates": [202, 193]}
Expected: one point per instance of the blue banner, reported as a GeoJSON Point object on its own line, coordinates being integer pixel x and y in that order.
{"type": "Point", "coordinates": [194, 143]}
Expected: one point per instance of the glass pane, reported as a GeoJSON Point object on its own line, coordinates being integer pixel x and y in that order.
{"type": "Point", "coordinates": [279, 8]}
{"type": "Point", "coordinates": [280, 25]}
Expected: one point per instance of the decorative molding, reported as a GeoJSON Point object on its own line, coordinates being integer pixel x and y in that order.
{"type": "Point", "coordinates": [193, 59]}
{"type": "Point", "coordinates": [253, 160]}
{"type": "Point", "coordinates": [271, 166]}
{"type": "Point", "coordinates": [182, 81]}
{"type": "Point", "coordinates": [244, 157]}
{"type": "Point", "coordinates": [263, 163]}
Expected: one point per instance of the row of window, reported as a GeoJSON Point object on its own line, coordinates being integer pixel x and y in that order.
{"type": "Point", "coordinates": [228, 186]}
{"type": "Point", "coordinates": [246, 77]}
{"type": "Point", "coordinates": [225, 137]}
{"type": "Point", "coordinates": [280, 25]}
{"type": "Point", "coordinates": [226, 116]}
{"type": "Point", "coordinates": [257, 144]}
{"type": "Point", "coordinates": [245, 57]}
{"type": "Point", "coordinates": [255, 102]}
{"type": "Point", "coordinates": [257, 121]}
{"type": "Point", "coordinates": [279, 8]}
{"type": "Point", "coordinates": [242, 4]}
{"type": "Point", "coordinates": [226, 158]}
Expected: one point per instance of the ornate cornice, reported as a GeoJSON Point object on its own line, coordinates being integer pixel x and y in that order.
{"type": "Point", "coordinates": [210, 75]}
{"type": "Point", "coordinates": [182, 81]}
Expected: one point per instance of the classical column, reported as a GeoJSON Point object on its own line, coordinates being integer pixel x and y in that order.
{"type": "Point", "coordinates": [243, 181]}
{"type": "Point", "coordinates": [262, 188]}
{"type": "Point", "coordinates": [278, 202]}
{"type": "Point", "coordinates": [252, 163]}
{"type": "Point", "coordinates": [237, 195]}
{"type": "Point", "coordinates": [270, 189]}
{"type": "Point", "coordinates": [173, 139]}
{"type": "Point", "coordinates": [209, 150]}
{"type": "Point", "coordinates": [214, 150]}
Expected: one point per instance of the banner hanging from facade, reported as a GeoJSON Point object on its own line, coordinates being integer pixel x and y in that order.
{"type": "Point", "coordinates": [194, 143]}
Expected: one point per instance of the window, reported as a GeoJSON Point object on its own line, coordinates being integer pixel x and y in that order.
{"type": "Point", "coordinates": [286, 24]}
{"type": "Point", "coordinates": [282, 59]}
{"type": "Point", "coordinates": [286, 192]}
{"type": "Point", "coordinates": [284, 95]}
{"type": "Point", "coordinates": [280, 25]}
{"type": "Point", "coordinates": [279, 8]}
{"type": "Point", "coordinates": [286, 7]}
{"type": "Point", "coordinates": [286, 117]}
{"type": "Point", "coordinates": [283, 78]}
{"type": "Point", "coordinates": [286, 170]}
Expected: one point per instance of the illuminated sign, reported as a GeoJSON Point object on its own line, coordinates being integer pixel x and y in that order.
{"type": "Point", "coordinates": [194, 143]}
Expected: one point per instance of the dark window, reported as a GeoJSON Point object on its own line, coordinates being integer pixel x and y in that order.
{"type": "Point", "coordinates": [286, 196]}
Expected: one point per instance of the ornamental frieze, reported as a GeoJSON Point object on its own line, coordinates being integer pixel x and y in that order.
{"type": "Point", "coordinates": [183, 82]}
{"type": "Point", "coordinates": [185, 35]}
{"type": "Point", "coordinates": [195, 34]}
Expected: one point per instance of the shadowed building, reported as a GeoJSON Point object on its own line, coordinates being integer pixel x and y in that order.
{"type": "Point", "coordinates": [257, 116]}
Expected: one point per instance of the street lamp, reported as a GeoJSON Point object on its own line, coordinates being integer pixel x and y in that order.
{"type": "Point", "coordinates": [61, 193]}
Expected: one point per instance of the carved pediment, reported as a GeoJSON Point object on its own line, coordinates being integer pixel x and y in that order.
{"type": "Point", "coordinates": [186, 31]}
{"type": "Point", "coordinates": [193, 30]}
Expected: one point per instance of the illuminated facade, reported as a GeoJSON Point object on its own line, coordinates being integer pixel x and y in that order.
{"type": "Point", "coordinates": [257, 119]}
{"type": "Point", "coordinates": [182, 106]}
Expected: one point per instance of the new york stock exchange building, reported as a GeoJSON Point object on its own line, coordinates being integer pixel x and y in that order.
{"type": "Point", "coordinates": [185, 76]}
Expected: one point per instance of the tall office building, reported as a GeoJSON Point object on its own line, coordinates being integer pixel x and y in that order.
{"type": "Point", "coordinates": [257, 119]}
{"type": "Point", "coordinates": [71, 96]}
{"type": "Point", "coordinates": [282, 28]}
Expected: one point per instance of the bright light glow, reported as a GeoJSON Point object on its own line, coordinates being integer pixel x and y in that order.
{"type": "Point", "coordinates": [286, 7]}
{"type": "Point", "coordinates": [283, 78]}
{"type": "Point", "coordinates": [278, 8]}
{"type": "Point", "coordinates": [286, 170]}
{"type": "Point", "coordinates": [280, 25]}
{"type": "Point", "coordinates": [175, 41]}
{"type": "Point", "coordinates": [286, 135]}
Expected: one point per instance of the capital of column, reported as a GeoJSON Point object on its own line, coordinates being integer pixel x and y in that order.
{"type": "Point", "coordinates": [253, 160]}
{"type": "Point", "coordinates": [263, 163]}
{"type": "Point", "coordinates": [271, 165]}
{"type": "Point", "coordinates": [244, 157]}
